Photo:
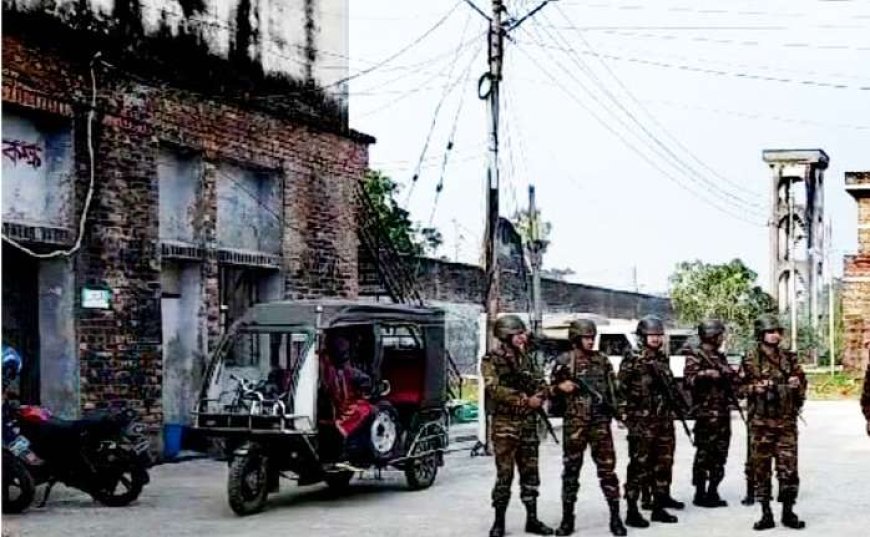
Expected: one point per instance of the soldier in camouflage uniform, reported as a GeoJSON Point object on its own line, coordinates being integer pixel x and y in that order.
{"type": "Point", "coordinates": [508, 374]}
{"type": "Point", "coordinates": [713, 386]}
{"type": "Point", "coordinates": [585, 378]}
{"type": "Point", "coordinates": [649, 420]}
{"type": "Point", "coordinates": [865, 397]}
{"type": "Point", "coordinates": [776, 387]}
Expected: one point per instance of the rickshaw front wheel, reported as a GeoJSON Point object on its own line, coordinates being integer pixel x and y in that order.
{"type": "Point", "coordinates": [247, 485]}
{"type": "Point", "coordinates": [421, 472]}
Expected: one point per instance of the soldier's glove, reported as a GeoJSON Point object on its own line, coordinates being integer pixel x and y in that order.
{"type": "Point", "coordinates": [712, 374]}
{"type": "Point", "coordinates": [566, 386]}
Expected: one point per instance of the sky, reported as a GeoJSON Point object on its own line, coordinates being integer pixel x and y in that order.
{"type": "Point", "coordinates": [641, 124]}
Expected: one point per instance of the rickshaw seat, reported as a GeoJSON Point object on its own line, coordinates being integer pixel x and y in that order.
{"type": "Point", "coordinates": [405, 372]}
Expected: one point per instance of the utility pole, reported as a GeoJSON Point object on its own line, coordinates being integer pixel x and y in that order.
{"type": "Point", "coordinates": [535, 253]}
{"type": "Point", "coordinates": [499, 27]}
{"type": "Point", "coordinates": [792, 280]}
{"type": "Point", "coordinates": [493, 75]}
{"type": "Point", "coordinates": [831, 324]}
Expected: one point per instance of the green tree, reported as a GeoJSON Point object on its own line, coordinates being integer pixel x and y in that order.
{"type": "Point", "coordinates": [522, 221]}
{"type": "Point", "coordinates": [409, 238]}
{"type": "Point", "coordinates": [725, 291]}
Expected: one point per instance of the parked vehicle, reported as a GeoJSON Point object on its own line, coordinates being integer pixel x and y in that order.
{"type": "Point", "coordinates": [264, 394]}
{"type": "Point", "coordinates": [104, 454]}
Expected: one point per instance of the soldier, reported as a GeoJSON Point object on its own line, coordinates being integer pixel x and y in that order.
{"type": "Point", "coordinates": [776, 387]}
{"type": "Point", "coordinates": [647, 407]}
{"type": "Point", "coordinates": [586, 379]}
{"type": "Point", "coordinates": [865, 396]}
{"type": "Point", "coordinates": [508, 374]}
{"type": "Point", "coordinates": [713, 386]}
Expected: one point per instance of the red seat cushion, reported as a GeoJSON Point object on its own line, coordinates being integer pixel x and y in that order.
{"type": "Point", "coordinates": [405, 373]}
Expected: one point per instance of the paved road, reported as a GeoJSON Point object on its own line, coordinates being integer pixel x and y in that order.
{"type": "Point", "coordinates": [189, 499]}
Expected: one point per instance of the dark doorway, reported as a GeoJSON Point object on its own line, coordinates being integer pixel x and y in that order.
{"type": "Point", "coordinates": [21, 317]}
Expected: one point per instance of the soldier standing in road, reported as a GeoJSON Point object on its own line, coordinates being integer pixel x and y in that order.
{"type": "Point", "coordinates": [585, 378]}
{"type": "Point", "coordinates": [714, 387]}
{"type": "Point", "coordinates": [507, 374]}
{"type": "Point", "coordinates": [776, 387]}
{"type": "Point", "coordinates": [865, 397]}
{"type": "Point", "coordinates": [649, 420]}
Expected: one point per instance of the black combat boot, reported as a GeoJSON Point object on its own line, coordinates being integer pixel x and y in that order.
{"type": "Point", "coordinates": [700, 498]}
{"type": "Point", "coordinates": [497, 529]}
{"type": "Point", "coordinates": [646, 500]}
{"type": "Point", "coordinates": [566, 527]}
{"type": "Point", "coordinates": [659, 514]}
{"type": "Point", "coordinates": [616, 526]}
{"type": "Point", "coordinates": [633, 517]}
{"type": "Point", "coordinates": [749, 499]}
{"type": "Point", "coordinates": [533, 525]}
{"type": "Point", "coordinates": [668, 502]}
{"type": "Point", "coordinates": [713, 498]}
{"type": "Point", "coordinates": [766, 521]}
{"type": "Point", "coordinates": [789, 518]}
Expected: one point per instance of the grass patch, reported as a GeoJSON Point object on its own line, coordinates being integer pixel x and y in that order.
{"type": "Point", "coordinates": [840, 385]}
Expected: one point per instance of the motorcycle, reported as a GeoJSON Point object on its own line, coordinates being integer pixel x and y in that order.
{"type": "Point", "coordinates": [105, 454]}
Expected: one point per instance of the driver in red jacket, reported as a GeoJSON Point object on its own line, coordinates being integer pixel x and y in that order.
{"type": "Point", "coordinates": [347, 387]}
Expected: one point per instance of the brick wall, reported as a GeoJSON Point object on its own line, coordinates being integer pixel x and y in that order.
{"type": "Point", "coordinates": [459, 283]}
{"type": "Point", "coordinates": [120, 348]}
{"type": "Point", "coordinates": [856, 279]}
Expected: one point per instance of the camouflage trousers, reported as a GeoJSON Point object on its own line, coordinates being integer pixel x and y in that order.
{"type": "Point", "coordinates": [712, 440]}
{"type": "Point", "coordinates": [651, 444]}
{"type": "Point", "coordinates": [576, 436]}
{"type": "Point", "coordinates": [515, 444]}
{"type": "Point", "coordinates": [775, 440]}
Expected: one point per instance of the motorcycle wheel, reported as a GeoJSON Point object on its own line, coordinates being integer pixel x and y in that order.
{"type": "Point", "coordinates": [124, 488]}
{"type": "Point", "coordinates": [18, 485]}
{"type": "Point", "coordinates": [247, 485]}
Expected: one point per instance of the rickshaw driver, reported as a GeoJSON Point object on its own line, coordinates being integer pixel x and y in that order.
{"type": "Point", "coordinates": [346, 387]}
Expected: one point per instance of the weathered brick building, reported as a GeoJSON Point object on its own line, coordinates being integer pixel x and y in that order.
{"type": "Point", "coordinates": [223, 170]}
{"type": "Point", "coordinates": [856, 278]}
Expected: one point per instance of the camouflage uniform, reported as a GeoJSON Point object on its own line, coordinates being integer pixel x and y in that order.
{"type": "Point", "coordinates": [514, 426]}
{"type": "Point", "coordinates": [587, 422]}
{"type": "Point", "coordinates": [712, 404]}
{"type": "Point", "coordinates": [865, 398]}
{"type": "Point", "coordinates": [773, 427]}
{"type": "Point", "coordinates": [651, 436]}
{"type": "Point", "coordinates": [510, 379]}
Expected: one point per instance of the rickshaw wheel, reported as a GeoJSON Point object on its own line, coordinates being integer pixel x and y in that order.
{"type": "Point", "coordinates": [247, 486]}
{"type": "Point", "coordinates": [384, 432]}
{"type": "Point", "coordinates": [421, 472]}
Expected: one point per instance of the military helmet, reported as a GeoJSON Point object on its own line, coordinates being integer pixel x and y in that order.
{"type": "Point", "coordinates": [650, 325]}
{"type": "Point", "coordinates": [710, 328]}
{"type": "Point", "coordinates": [581, 328]}
{"type": "Point", "coordinates": [766, 323]}
{"type": "Point", "coordinates": [508, 326]}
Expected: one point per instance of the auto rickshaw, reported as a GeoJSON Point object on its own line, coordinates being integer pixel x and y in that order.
{"type": "Point", "coordinates": [263, 394]}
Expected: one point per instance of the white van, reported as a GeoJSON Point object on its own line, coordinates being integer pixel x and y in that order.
{"type": "Point", "coordinates": [616, 336]}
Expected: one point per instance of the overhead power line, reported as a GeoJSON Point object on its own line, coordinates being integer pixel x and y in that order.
{"type": "Point", "coordinates": [653, 141]}
{"type": "Point", "coordinates": [538, 64]}
{"type": "Point", "coordinates": [718, 72]}
{"type": "Point", "coordinates": [750, 200]}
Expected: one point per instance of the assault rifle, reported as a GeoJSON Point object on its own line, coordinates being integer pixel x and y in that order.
{"type": "Point", "coordinates": [729, 387]}
{"type": "Point", "coordinates": [596, 395]}
{"type": "Point", "coordinates": [524, 382]}
{"type": "Point", "coordinates": [674, 398]}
